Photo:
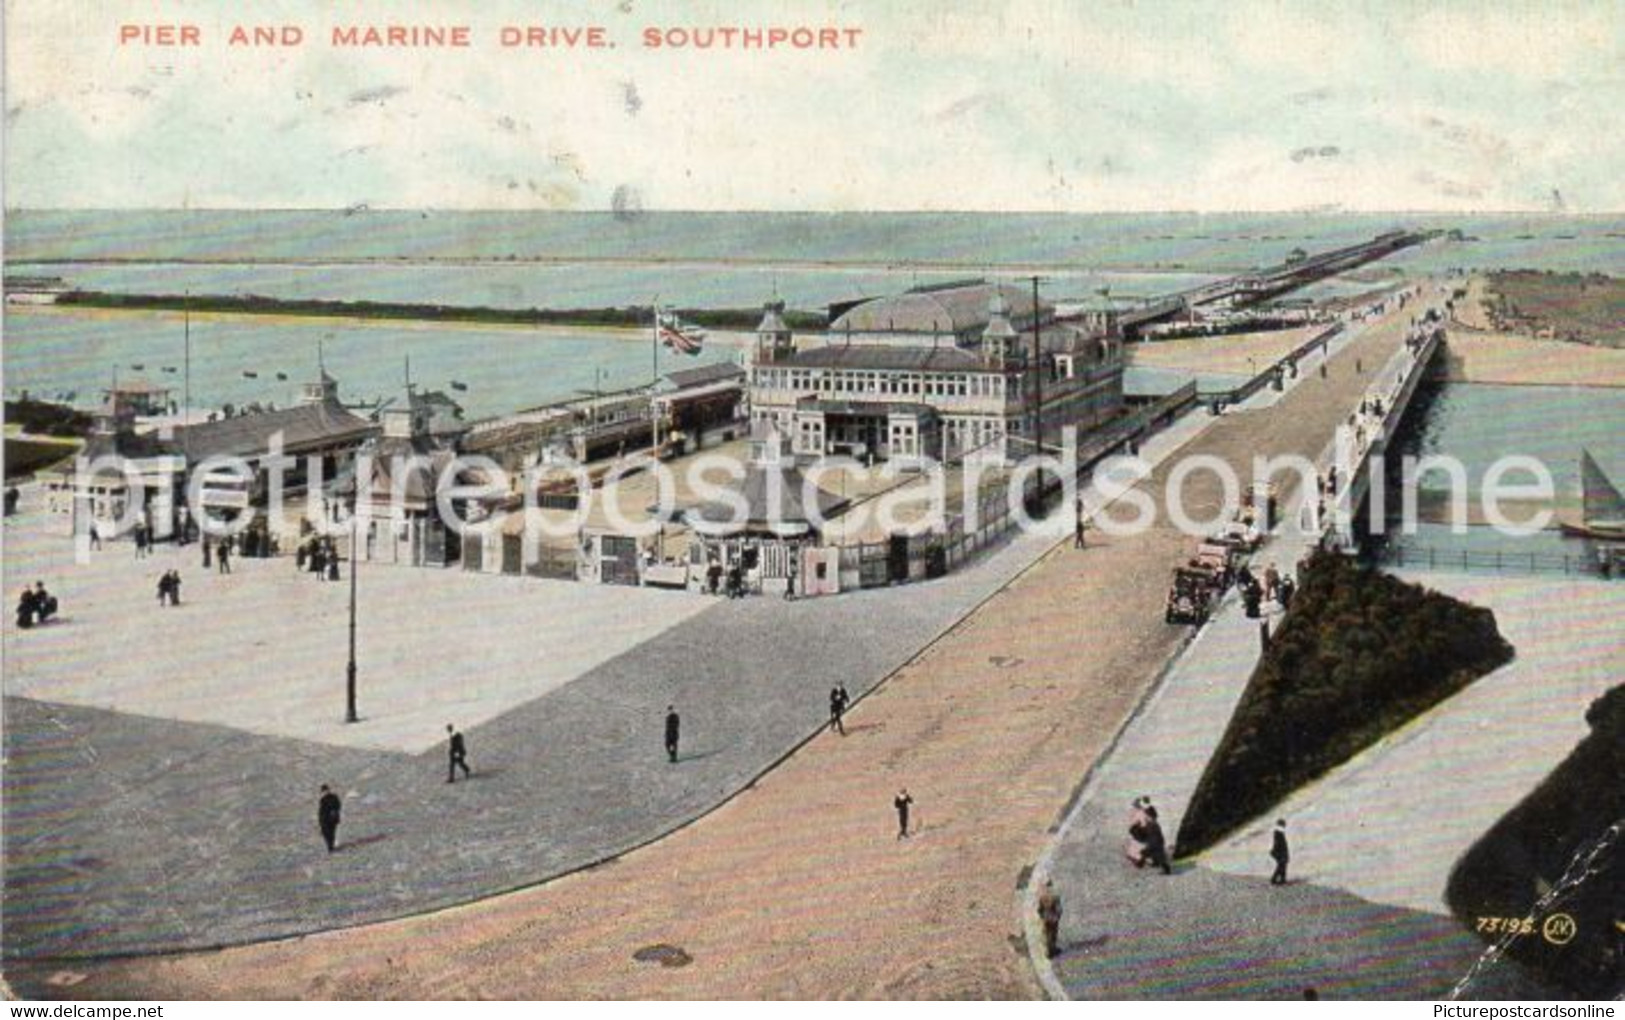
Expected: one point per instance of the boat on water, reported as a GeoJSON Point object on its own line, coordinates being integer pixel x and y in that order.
{"type": "Point", "coordinates": [170, 369]}
{"type": "Point", "coordinates": [139, 367]}
{"type": "Point", "coordinates": [460, 387]}
{"type": "Point", "coordinates": [1602, 504]}
{"type": "Point", "coordinates": [251, 375]}
{"type": "Point", "coordinates": [282, 377]}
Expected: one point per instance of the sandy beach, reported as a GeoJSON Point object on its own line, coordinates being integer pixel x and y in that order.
{"type": "Point", "coordinates": [621, 333]}
{"type": "Point", "coordinates": [1512, 360]}
{"type": "Point", "coordinates": [1234, 354]}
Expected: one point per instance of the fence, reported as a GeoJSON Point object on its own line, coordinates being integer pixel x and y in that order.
{"type": "Point", "coordinates": [1499, 561]}
{"type": "Point", "coordinates": [1237, 394]}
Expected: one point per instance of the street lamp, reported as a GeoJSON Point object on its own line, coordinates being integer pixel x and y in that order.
{"type": "Point", "coordinates": [350, 715]}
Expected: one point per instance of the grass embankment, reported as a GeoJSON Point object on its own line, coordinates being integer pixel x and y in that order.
{"type": "Point", "coordinates": [42, 418]}
{"type": "Point", "coordinates": [632, 316]}
{"type": "Point", "coordinates": [1526, 854]}
{"type": "Point", "coordinates": [1360, 654]}
{"type": "Point", "coordinates": [1587, 308]}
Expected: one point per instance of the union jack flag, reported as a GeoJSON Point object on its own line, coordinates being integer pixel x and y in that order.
{"type": "Point", "coordinates": [678, 335]}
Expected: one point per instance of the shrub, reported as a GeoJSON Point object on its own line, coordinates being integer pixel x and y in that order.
{"type": "Point", "coordinates": [1360, 654]}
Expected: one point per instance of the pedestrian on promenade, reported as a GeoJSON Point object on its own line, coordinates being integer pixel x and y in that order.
{"type": "Point", "coordinates": [223, 556]}
{"type": "Point", "coordinates": [208, 553]}
{"type": "Point", "coordinates": [1323, 370]}
{"type": "Point", "coordinates": [902, 802]}
{"type": "Point", "coordinates": [837, 708]}
{"type": "Point", "coordinates": [174, 587]}
{"type": "Point", "coordinates": [1080, 526]}
{"type": "Point", "coordinates": [95, 532]}
{"type": "Point", "coordinates": [333, 566]}
{"type": "Point", "coordinates": [25, 608]}
{"type": "Point", "coordinates": [1139, 825]}
{"type": "Point", "coordinates": [328, 809]}
{"type": "Point", "coordinates": [1288, 586]}
{"type": "Point", "coordinates": [44, 602]}
{"type": "Point", "coordinates": [318, 561]}
{"type": "Point", "coordinates": [140, 540]}
{"type": "Point", "coordinates": [1049, 912]}
{"type": "Point", "coordinates": [1272, 582]}
{"type": "Point", "coordinates": [165, 583]}
{"type": "Point", "coordinates": [1156, 844]}
{"type": "Point", "coordinates": [1279, 852]}
{"type": "Point", "coordinates": [1263, 636]}
{"type": "Point", "coordinates": [12, 497]}
{"type": "Point", "coordinates": [1359, 367]}
{"type": "Point", "coordinates": [457, 751]}
{"type": "Point", "coordinates": [674, 727]}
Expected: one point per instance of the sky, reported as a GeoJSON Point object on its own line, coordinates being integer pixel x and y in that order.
{"type": "Point", "coordinates": [1092, 105]}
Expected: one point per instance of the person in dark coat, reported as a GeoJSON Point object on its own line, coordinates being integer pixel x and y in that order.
{"type": "Point", "coordinates": [208, 553]}
{"type": "Point", "coordinates": [174, 587]}
{"type": "Point", "coordinates": [1279, 852]}
{"type": "Point", "coordinates": [674, 726]}
{"type": "Point", "coordinates": [223, 556]}
{"type": "Point", "coordinates": [44, 602]}
{"type": "Point", "coordinates": [328, 810]}
{"type": "Point", "coordinates": [318, 561]}
{"type": "Point", "coordinates": [333, 568]}
{"type": "Point", "coordinates": [457, 749]}
{"type": "Point", "coordinates": [837, 707]}
{"type": "Point", "coordinates": [163, 589]}
{"type": "Point", "coordinates": [25, 609]}
{"type": "Point", "coordinates": [902, 802]}
{"type": "Point", "coordinates": [1049, 912]}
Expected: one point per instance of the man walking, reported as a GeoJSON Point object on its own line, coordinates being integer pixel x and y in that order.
{"type": "Point", "coordinates": [674, 726]}
{"type": "Point", "coordinates": [1280, 852]}
{"type": "Point", "coordinates": [1049, 912]}
{"type": "Point", "coordinates": [902, 802]}
{"type": "Point", "coordinates": [458, 752]}
{"type": "Point", "coordinates": [327, 817]}
{"type": "Point", "coordinates": [837, 708]}
{"type": "Point", "coordinates": [1080, 526]}
{"type": "Point", "coordinates": [223, 555]}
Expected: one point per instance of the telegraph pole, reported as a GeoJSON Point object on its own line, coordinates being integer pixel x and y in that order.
{"type": "Point", "coordinates": [1038, 389]}
{"type": "Point", "coordinates": [350, 715]}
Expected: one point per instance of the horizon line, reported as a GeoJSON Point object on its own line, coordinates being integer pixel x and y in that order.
{"type": "Point", "coordinates": [353, 211]}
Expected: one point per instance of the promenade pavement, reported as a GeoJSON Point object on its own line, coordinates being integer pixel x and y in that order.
{"type": "Point", "coordinates": [1389, 824]}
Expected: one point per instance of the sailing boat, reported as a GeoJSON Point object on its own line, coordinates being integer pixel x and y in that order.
{"type": "Point", "coordinates": [1603, 513]}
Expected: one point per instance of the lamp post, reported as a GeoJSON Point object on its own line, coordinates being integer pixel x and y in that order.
{"type": "Point", "coordinates": [350, 715]}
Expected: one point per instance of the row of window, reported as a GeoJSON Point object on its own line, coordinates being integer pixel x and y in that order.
{"type": "Point", "coordinates": [846, 383]}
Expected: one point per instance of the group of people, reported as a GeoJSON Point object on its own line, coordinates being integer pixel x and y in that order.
{"type": "Point", "coordinates": [320, 558]}
{"type": "Point", "coordinates": [35, 606]}
{"type": "Point", "coordinates": [1274, 587]}
{"type": "Point", "coordinates": [169, 588]}
{"type": "Point", "coordinates": [220, 553]}
{"type": "Point", "coordinates": [734, 577]}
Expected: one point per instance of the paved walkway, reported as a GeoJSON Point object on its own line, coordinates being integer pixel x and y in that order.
{"type": "Point", "coordinates": [798, 888]}
{"type": "Point", "coordinates": [578, 774]}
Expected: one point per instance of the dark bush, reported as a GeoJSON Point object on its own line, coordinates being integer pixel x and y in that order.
{"type": "Point", "coordinates": [1360, 654]}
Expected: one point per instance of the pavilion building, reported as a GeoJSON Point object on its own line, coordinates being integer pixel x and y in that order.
{"type": "Point", "coordinates": [947, 372]}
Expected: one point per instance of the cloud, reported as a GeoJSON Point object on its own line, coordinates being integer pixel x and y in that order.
{"type": "Point", "coordinates": [379, 94]}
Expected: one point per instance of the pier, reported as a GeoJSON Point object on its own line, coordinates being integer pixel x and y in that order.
{"type": "Point", "coordinates": [1260, 285]}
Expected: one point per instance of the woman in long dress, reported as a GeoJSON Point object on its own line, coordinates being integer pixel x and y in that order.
{"type": "Point", "coordinates": [1139, 828]}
